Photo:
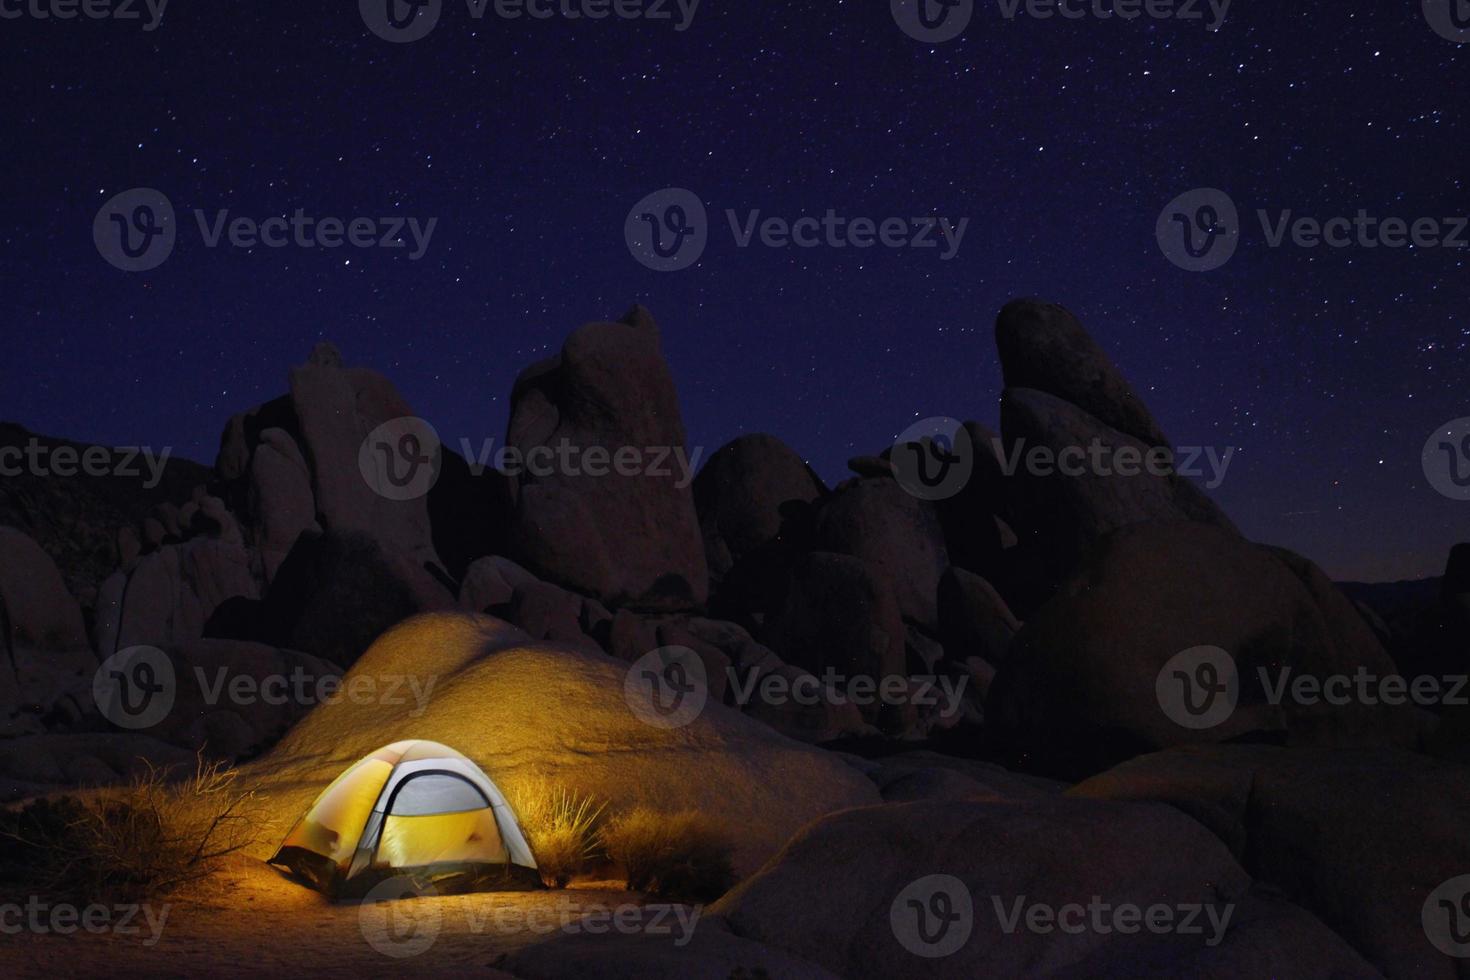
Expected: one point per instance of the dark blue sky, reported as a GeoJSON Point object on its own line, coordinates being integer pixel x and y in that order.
{"type": "Point", "coordinates": [1060, 141]}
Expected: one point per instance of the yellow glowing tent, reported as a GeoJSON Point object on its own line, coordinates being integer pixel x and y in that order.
{"type": "Point", "coordinates": [415, 810]}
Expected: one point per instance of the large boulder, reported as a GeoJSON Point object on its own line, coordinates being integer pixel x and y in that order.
{"type": "Point", "coordinates": [707, 951]}
{"type": "Point", "coordinates": [47, 661]}
{"type": "Point", "coordinates": [629, 534]}
{"type": "Point", "coordinates": [337, 592]}
{"type": "Point", "coordinates": [974, 621]}
{"type": "Point", "coordinates": [76, 518]}
{"type": "Point", "coordinates": [745, 494]}
{"type": "Point", "coordinates": [234, 698]}
{"type": "Point", "coordinates": [296, 464]}
{"type": "Point", "coordinates": [751, 665]}
{"type": "Point", "coordinates": [524, 710]}
{"type": "Point", "coordinates": [840, 616]}
{"type": "Point", "coordinates": [336, 409]}
{"type": "Point", "coordinates": [281, 505]}
{"type": "Point", "coordinates": [1043, 346]}
{"type": "Point", "coordinates": [39, 612]}
{"type": "Point", "coordinates": [947, 889]}
{"type": "Point", "coordinates": [34, 765]}
{"type": "Point", "coordinates": [1363, 839]}
{"type": "Point", "coordinates": [1082, 687]}
{"type": "Point", "coordinates": [1067, 502]}
{"type": "Point", "coordinates": [895, 534]}
{"type": "Point", "coordinates": [169, 595]}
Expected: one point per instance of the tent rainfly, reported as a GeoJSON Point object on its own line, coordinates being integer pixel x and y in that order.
{"type": "Point", "coordinates": [414, 810]}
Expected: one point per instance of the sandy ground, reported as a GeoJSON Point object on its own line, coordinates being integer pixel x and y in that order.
{"type": "Point", "coordinates": [255, 922]}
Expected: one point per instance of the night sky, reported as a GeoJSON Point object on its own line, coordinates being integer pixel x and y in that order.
{"type": "Point", "coordinates": [1060, 141]}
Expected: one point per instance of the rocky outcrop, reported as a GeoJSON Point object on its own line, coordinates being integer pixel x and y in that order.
{"type": "Point", "coordinates": [76, 519]}
{"type": "Point", "coordinates": [337, 592]}
{"type": "Point", "coordinates": [1066, 503]}
{"type": "Point", "coordinates": [1362, 839]}
{"type": "Point", "coordinates": [973, 619]}
{"type": "Point", "coordinates": [525, 710]}
{"type": "Point", "coordinates": [896, 535]}
{"type": "Point", "coordinates": [231, 699]}
{"type": "Point", "coordinates": [840, 615]}
{"type": "Point", "coordinates": [948, 889]}
{"type": "Point", "coordinates": [281, 504]}
{"type": "Point", "coordinates": [620, 524]}
{"type": "Point", "coordinates": [745, 496]}
{"type": "Point", "coordinates": [169, 595]}
{"type": "Point", "coordinates": [1044, 347]}
{"type": "Point", "coordinates": [1082, 686]}
{"type": "Point", "coordinates": [33, 765]}
{"type": "Point", "coordinates": [296, 464]}
{"type": "Point", "coordinates": [47, 665]}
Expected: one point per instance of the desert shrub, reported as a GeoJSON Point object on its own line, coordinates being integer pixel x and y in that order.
{"type": "Point", "coordinates": [560, 825]}
{"type": "Point", "coordinates": [683, 855]}
{"type": "Point", "coordinates": [144, 840]}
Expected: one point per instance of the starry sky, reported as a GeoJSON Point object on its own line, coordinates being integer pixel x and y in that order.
{"type": "Point", "coordinates": [1060, 141]}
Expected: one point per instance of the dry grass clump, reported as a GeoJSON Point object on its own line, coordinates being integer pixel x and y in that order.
{"type": "Point", "coordinates": [683, 855]}
{"type": "Point", "coordinates": [147, 839]}
{"type": "Point", "coordinates": [561, 826]}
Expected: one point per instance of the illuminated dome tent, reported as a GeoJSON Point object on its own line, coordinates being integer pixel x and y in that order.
{"type": "Point", "coordinates": [414, 810]}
